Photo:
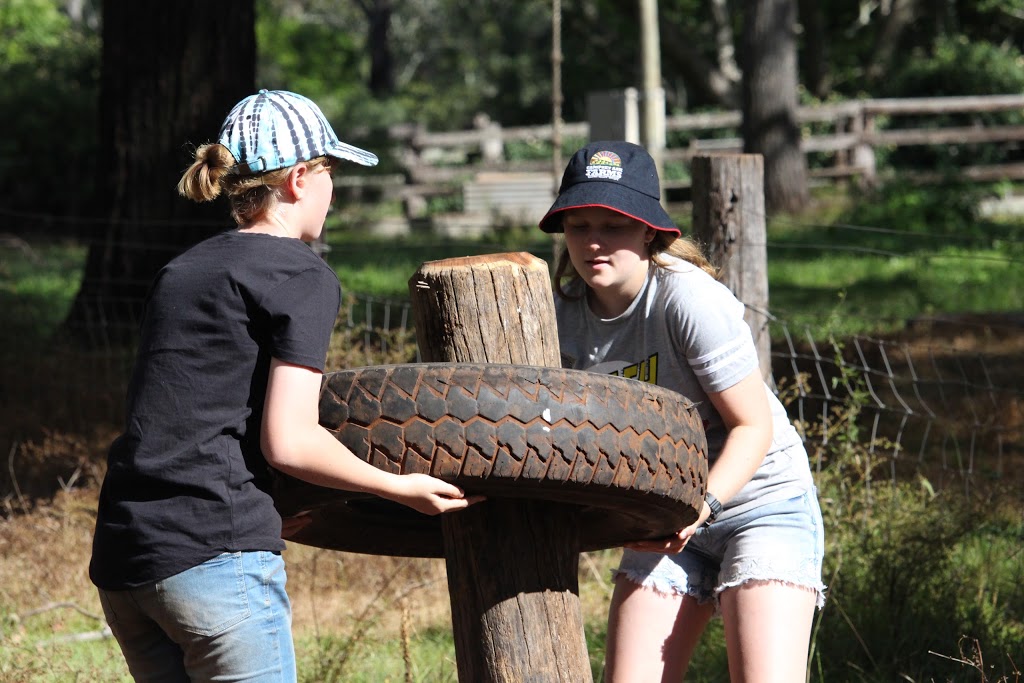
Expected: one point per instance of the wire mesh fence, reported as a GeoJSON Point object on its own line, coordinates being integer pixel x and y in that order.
{"type": "Point", "coordinates": [943, 395]}
{"type": "Point", "coordinates": [953, 406]}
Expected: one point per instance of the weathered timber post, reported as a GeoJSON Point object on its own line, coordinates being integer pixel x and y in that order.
{"type": "Point", "coordinates": [512, 564]}
{"type": "Point", "coordinates": [729, 219]}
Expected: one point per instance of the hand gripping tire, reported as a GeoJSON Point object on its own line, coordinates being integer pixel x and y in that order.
{"type": "Point", "coordinates": [632, 455]}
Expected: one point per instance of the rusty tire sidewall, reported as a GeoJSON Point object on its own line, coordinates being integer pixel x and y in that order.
{"type": "Point", "coordinates": [632, 454]}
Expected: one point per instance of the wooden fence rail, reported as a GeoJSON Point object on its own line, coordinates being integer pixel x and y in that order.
{"type": "Point", "coordinates": [845, 137]}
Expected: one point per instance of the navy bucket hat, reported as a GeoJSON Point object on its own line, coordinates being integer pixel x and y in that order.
{"type": "Point", "coordinates": [613, 175]}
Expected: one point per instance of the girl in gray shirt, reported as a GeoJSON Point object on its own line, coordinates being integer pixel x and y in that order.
{"type": "Point", "coordinates": [637, 300]}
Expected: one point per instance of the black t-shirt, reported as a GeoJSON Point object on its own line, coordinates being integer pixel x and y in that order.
{"type": "Point", "coordinates": [186, 480]}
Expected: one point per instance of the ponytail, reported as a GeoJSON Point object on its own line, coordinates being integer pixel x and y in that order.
{"type": "Point", "coordinates": [201, 181]}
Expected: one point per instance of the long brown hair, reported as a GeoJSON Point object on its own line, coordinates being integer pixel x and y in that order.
{"type": "Point", "coordinates": [664, 242]}
{"type": "Point", "coordinates": [252, 196]}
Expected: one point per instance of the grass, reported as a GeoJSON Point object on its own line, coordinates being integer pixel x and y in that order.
{"type": "Point", "coordinates": [382, 266]}
{"type": "Point", "coordinates": [892, 614]}
{"type": "Point", "coordinates": [357, 617]}
{"type": "Point", "coordinates": [37, 284]}
{"type": "Point", "coordinates": [879, 294]}
{"type": "Point", "coordinates": [870, 281]}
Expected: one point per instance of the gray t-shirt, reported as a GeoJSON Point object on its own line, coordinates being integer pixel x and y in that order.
{"type": "Point", "coordinates": [685, 331]}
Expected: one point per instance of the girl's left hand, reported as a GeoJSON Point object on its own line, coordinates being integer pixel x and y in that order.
{"type": "Point", "coordinates": [674, 543]}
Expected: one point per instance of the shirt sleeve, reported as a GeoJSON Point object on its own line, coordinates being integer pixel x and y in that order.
{"type": "Point", "coordinates": [713, 337]}
{"type": "Point", "coordinates": [302, 311]}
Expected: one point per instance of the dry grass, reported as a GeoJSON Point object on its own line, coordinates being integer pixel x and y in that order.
{"type": "Point", "coordinates": [47, 600]}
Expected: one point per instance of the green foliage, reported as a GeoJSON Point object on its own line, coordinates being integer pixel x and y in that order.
{"type": "Point", "coordinates": [310, 53]}
{"type": "Point", "coordinates": [49, 66]}
{"type": "Point", "coordinates": [910, 571]}
{"type": "Point", "coordinates": [957, 66]}
{"type": "Point", "coordinates": [541, 150]}
{"type": "Point", "coordinates": [942, 211]}
{"type": "Point", "coordinates": [26, 28]}
{"type": "Point", "coordinates": [990, 568]}
{"type": "Point", "coordinates": [452, 60]}
{"type": "Point", "coordinates": [37, 285]}
{"type": "Point", "coordinates": [890, 578]}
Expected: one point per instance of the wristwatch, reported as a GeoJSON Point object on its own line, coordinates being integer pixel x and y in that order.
{"type": "Point", "coordinates": [714, 505]}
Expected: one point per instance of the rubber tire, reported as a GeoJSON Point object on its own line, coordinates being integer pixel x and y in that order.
{"type": "Point", "coordinates": [632, 455]}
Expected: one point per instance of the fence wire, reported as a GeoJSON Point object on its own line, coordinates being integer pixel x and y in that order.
{"type": "Point", "coordinates": [944, 395]}
{"type": "Point", "coordinates": [914, 403]}
{"type": "Point", "coordinates": [917, 401]}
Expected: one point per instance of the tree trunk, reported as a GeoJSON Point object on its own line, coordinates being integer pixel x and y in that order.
{"type": "Point", "coordinates": [902, 14]}
{"type": "Point", "coordinates": [170, 72]}
{"type": "Point", "coordinates": [512, 564]}
{"type": "Point", "coordinates": [378, 17]}
{"type": "Point", "coordinates": [814, 56]}
{"type": "Point", "coordinates": [770, 101]}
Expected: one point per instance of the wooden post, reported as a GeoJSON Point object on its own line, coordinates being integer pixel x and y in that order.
{"type": "Point", "coordinates": [653, 93]}
{"type": "Point", "coordinates": [512, 564]}
{"type": "Point", "coordinates": [863, 152]}
{"type": "Point", "coordinates": [729, 220]}
{"type": "Point", "coordinates": [492, 145]}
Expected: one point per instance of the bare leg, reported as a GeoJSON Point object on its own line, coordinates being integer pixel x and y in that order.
{"type": "Point", "coordinates": [768, 631]}
{"type": "Point", "coordinates": [651, 635]}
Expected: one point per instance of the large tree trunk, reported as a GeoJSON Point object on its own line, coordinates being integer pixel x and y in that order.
{"type": "Point", "coordinates": [901, 14]}
{"type": "Point", "coordinates": [170, 72]}
{"type": "Point", "coordinates": [770, 101]}
{"type": "Point", "coordinates": [814, 58]}
{"type": "Point", "coordinates": [378, 17]}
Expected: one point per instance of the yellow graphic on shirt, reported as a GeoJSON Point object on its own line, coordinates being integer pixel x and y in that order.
{"type": "Point", "coordinates": [645, 370]}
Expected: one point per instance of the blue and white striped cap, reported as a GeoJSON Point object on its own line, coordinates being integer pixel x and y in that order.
{"type": "Point", "coordinates": [277, 129]}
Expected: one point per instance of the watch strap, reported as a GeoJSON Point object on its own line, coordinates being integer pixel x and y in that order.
{"type": "Point", "coordinates": [714, 505]}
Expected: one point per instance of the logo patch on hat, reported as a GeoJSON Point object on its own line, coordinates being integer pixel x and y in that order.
{"type": "Point", "coordinates": [605, 165]}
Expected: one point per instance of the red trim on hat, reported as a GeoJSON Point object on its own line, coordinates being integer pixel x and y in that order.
{"type": "Point", "coordinates": [611, 208]}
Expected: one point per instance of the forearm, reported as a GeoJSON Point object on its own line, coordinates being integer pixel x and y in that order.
{"type": "Point", "coordinates": [312, 454]}
{"type": "Point", "coordinates": [744, 451]}
{"type": "Point", "coordinates": [745, 411]}
{"type": "Point", "coordinates": [294, 442]}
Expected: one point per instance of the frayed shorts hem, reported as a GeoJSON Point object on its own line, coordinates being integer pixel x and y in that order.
{"type": "Point", "coordinates": [777, 542]}
{"type": "Point", "coordinates": [663, 588]}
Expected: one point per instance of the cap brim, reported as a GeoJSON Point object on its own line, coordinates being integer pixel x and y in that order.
{"type": "Point", "coordinates": [608, 195]}
{"type": "Point", "coordinates": [342, 150]}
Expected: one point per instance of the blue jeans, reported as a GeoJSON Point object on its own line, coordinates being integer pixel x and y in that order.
{"type": "Point", "coordinates": [228, 619]}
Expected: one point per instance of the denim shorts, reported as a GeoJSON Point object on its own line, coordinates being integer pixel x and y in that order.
{"type": "Point", "coordinates": [782, 541]}
{"type": "Point", "coordinates": [228, 619]}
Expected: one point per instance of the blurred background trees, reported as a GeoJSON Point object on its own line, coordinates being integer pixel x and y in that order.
{"type": "Point", "coordinates": [374, 63]}
{"type": "Point", "coordinates": [84, 81]}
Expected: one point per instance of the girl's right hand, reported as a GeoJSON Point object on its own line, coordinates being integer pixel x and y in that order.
{"type": "Point", "coordinates": [431, 495]}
